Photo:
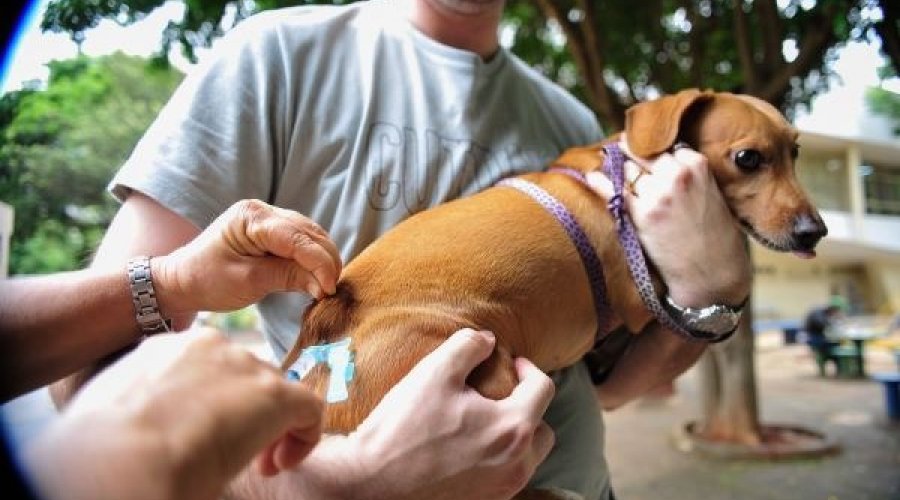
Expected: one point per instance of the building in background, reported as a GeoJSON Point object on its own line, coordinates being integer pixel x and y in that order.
{"type": "Point", "coordinates": [852, 171]}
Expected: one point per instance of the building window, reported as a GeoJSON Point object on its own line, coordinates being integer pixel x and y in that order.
{"type": "Point", "coordinates": [882, 189]}
{"type": "Point", "coordinates": [824, 176]}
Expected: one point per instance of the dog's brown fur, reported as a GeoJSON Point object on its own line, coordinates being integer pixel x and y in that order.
{"type": "Point", "coordinates": [498, 261]}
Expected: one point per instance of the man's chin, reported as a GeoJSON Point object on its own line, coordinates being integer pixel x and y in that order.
{"type": "Point", "coordinates": [469, 7]}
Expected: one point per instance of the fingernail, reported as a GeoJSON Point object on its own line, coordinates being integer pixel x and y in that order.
{"type": "Point", "coordinates": [488, 335]}
{"type": "Point", "coordinates": [315, 291]}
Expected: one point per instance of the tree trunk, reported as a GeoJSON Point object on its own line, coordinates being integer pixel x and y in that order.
{"type": "Point", "coordinates": [728, 388]}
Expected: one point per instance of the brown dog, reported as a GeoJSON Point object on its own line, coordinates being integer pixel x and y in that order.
{"type": "Point", "coordinates": [499, 261]}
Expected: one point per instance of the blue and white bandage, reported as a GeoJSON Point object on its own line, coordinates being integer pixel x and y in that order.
{"type": "Point", "coordinates": [339, 359]}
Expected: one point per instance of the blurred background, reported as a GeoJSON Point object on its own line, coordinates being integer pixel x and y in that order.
{"type": "Point", "coordinates": [765, 416]}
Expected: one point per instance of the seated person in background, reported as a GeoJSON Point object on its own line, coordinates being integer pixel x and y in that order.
{"type": "Point", "coordinates": [818, 322]}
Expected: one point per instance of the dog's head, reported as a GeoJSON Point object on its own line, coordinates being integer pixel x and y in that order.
{"type": "Point", "coordinates": [751, 151]}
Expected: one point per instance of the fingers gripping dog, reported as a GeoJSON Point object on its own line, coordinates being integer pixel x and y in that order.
{"type": "Point", "coordinates": [501, 261]}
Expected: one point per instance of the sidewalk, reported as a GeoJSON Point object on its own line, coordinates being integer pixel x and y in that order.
{"type": "Point", "coordinates": [644, 464]}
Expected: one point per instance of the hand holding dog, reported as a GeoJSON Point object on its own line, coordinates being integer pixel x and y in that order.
{"type": "Point", "coordinates": [176, 426]}
{"type": "Point", "coordinates": [685, 227]}
{"type": "Point", "coordinates": [467, 446]}
{"type": "Point", "coordinates": [255, 249]}
{"type": "Point", "coordinates": [432, 436]}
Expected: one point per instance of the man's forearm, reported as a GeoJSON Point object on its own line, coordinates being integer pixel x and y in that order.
{"type": "Point", "coordinates": [53, 326]}
{"type": "Point", "coordinates": [656, 356]}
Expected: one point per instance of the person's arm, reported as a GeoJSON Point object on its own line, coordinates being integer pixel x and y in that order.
{"type": "Point", "coordinates": [52, 326]}
{"type": "Point", "coordinates": [432, 436]}
{"type": "Point", "coordinates": [654, 357]}
{"type": "Point", "coordinates": [686, 229]}
{"type": "Point", "coordinates": [691, 237]}
{"type": "Point", "coordinates": [176, 418]}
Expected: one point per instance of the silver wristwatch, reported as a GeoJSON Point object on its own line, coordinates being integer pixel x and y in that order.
{"type": "Point", "coordinates": [143, 295]}
{"type": "Point", "coordinates": [717, 319]}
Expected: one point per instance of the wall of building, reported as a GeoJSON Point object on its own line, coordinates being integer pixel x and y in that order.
{"type": "Point", "coordinates": [885, 278]}
{"type": "Point", "coordinates": [786, 287]}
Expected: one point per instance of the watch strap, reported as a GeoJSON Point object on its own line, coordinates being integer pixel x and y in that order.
{"type": "Point", "coordinates": [146, 308]}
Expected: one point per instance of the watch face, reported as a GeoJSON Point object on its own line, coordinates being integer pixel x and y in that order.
{"type": "Point", "coordinates": [715, 319]}
{"type": "Point", "coordinates": [717, 322]}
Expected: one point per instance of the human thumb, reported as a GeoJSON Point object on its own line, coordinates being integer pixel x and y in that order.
{"type": "Point", "coordinates": [459, 354]}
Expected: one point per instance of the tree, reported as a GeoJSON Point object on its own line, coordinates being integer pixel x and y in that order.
{"type": "Point", "coordinates": [885, 102]}
{"type": "Point", "coordinates": [608, 52]}
{"type": "Point", "coordinates": [60, 146]}
{"type": "Point", "coordinates": [624, 54]}
{"type": "Point", "coordinates": [888, 30]}
{"type": "Point", "coordinates": [202, 22]}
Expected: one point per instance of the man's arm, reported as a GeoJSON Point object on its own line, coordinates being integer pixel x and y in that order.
{"type": "Point", "coordinates": [142, 226]}
{"type": "Point", "coordinates": [249, 251]}
{"type": "Point", "coordinates": [654, 357]}
{"type": "Point", "coordinates": [690, 235]}
{"type": "Point", "coordinates": [53, 326]}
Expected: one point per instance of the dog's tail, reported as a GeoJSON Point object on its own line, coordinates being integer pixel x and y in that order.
{"type": "Point", "coordinates": [325, 321]}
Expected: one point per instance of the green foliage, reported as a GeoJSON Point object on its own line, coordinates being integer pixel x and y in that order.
{"type": "Point", "coordinates": [242, 320]}
{"type": "Point", "coordinates": [887, 103]}
{"type": "Point", "coordinates": [778, 51]}
{"type": "Point", "coordinates": [609, 53]}
{"type": "Point", "coordinates": [203, 20]}
{"type": "Point", "coordinates": [59, 148]}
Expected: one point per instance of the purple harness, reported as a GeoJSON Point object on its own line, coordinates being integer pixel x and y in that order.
{"type": "Point", "coordinates": [578, 237]}
{"type": "Point", "coordinates": [614, 168]}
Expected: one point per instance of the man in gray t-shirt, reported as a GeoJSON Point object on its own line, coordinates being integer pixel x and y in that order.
{"type": "Point", "coordinates": [358, 117]}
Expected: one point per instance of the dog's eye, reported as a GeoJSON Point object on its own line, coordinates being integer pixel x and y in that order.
{"type": "Point", "coordinates": [748, 159]}
{"type": "Point", "coordinates": [795, 151]}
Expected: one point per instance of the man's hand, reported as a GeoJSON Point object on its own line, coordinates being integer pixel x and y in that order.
{"type": "Point", "coordinates": [445, 440]}
{"type": "Point", "coordinates": [432, 436]}
{"type": "Point", "coordinates": [177, 418]}
{"type": "Point", "coordinates": [685, 227]}
{"type": "Point", "coordinates": [251, 250]}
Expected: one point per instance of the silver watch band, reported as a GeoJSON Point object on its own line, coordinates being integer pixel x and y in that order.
{"type": "Point", "coordinates": [146, 308]}
{"type": "Point", "coordinates": [716, 319]}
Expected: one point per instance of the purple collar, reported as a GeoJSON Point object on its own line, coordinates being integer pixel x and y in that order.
{"type": "Point", "coordinates": [614, 168]}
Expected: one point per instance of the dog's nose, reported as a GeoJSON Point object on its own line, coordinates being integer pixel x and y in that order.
{"type": "Point", "coordinates": [808, 230]}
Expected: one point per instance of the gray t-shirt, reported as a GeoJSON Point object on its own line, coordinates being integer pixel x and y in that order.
{"type": "Point", "coordinates": [355, 119]}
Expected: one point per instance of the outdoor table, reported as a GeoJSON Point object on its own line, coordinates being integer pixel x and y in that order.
{"type": "Point", "coordinates": [857, 335]}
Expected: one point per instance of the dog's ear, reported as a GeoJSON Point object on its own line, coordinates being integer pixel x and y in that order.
{"type": "Point", "coordinates": [651, 127]}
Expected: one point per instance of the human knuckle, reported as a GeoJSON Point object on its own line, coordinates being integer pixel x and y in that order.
{"type": "Point", "coordinates": [250, 208]}
{"type": "Point", "coordinates": [301, 239]}
{"type": "Point", "coordinates": [546, 386]}
{"type": "Point", "coordinates": [269, 382]}
{"type": "Point", "coordinates": [314, 228]}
